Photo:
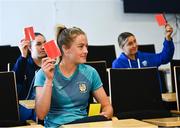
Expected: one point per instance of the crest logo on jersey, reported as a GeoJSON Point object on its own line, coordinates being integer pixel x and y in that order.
{"type": "Point", "coordinates": [82, 87]}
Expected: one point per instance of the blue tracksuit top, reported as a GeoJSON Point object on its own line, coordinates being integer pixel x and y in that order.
{"type": "Point", "coordinates": [146, 59]}
{"type": "Point", "coordinates": [25, 69]}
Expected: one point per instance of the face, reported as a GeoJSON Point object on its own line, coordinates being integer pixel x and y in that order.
{"type": "Point", "coordinates": [77, 52]}
{"type": "Point", "coordinates": [130, 47]}
{"type": "Point", "coordinates": [37, 48]}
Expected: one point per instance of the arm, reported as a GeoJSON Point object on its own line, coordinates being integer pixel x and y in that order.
{"type": "Point", "coordinates": [43, 94]}
{"type": "Point", "coordinates": [20, 66]}
{"type": "Point", "coordinates": [168, 50]}
{"type": "Point", "coordinates": [102, 98]}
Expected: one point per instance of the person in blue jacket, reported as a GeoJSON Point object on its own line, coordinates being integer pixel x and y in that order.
{"type": "Point", "coordinates": [132, 58]}
{"type": "Point", "coordinates": [25, 67]}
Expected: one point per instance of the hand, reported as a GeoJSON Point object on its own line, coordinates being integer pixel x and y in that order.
{"type": "Point", "coordinates": [106, 114]}
{"type": "Point", "coordinates": [24, 46]}
{"type": "Point", "coordinates": [48, 67]}
{"type": "Point", "coordinates": [169, 31]}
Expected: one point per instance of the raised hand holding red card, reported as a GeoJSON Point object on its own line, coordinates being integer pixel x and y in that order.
{"type": "Point", "coordinates": [52, 50]}
{"type": "Point", "coordinates": [160, 19]}
{"type": "Point", "coordinates": [29, 33]}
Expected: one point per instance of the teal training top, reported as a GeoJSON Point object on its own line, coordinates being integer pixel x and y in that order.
{"type": "Point", "coordinates": [69, 95]}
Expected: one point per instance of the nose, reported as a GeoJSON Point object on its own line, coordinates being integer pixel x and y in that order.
{"type": "Point", "coordinates": [42, 46]}
{"type": "Point", "coordinates": [134, 44]}
{"type": "Point", "coordinates": [85, 50]}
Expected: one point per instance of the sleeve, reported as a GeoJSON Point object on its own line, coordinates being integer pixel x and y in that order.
{"type": "Point", "coordinates": [39, 78]}
{"type": "Point", "coordinates": [164, 57]}
{"type": "Point", "coordinates": [20, 68]}
{"type": "Point", "coordinates": [119, 63]}
{"type": "Point", "coordinates": [96, 80]}
{"type": "Point", "coordinates": [168, 51]}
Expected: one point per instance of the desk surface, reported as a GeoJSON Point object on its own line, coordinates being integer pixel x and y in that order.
{"type": "Point", "coordinates": [175, 112]}
{"type": "Point", "coordinates": [170, 121]}
{"type": "Point", "coordinates": [169, 97]}
{"type": "Point", "coordinates": [126, 123]}
{"type": "Point", "coordinates": [32, 125]}
{"type": "Point", "coordinates": [29, 104]}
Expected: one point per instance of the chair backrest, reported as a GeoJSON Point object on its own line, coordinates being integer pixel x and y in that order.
{"type": "Point", "coordinates": [102, 52]}
{"type": "Point", "coordinates": [135, 90]}
{"type": "Point", "coordinates": [173, 63]}
{"type": "Point", "coordinates": [177, 85]}
{"type": "Point", "coordinates": [100, 66]}
{"type": "Point", "coordinates": [8, 96]}
{"type": "Point", "coordinates": [4, 56]}
{"type": "Point", "coordinates": [14, 54]}
{"type": "Point", "coordinates": [147, 48]}
{"type": "Point", "coordinates": [8, 55]}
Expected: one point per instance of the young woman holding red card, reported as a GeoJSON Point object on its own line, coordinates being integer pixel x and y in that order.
{"type": "Point", "coordinates": [62, 90]}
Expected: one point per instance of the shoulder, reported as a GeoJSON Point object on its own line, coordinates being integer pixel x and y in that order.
{"type": "Point", "coordinates": [144, 54]}
{"type": "Point", "coordinates": [85, 68]}
{"type": "Point", "coordinates": [120, 62]}
{"type": "Point", "coordinates": [40, 73]}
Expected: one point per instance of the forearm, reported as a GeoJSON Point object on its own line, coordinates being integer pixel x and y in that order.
{"type": "Point", "coordinates": [167, 52]}
{"type": "Point", "coordinates": [43, 100]}
{"type": "Point", "coordinates": [107, 111]}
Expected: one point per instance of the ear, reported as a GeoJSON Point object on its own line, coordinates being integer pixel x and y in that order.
{"type": "Point", "coordinates": [65, 49]}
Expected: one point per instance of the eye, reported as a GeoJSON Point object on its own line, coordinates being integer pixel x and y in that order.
{"type": "Point", "coordinates": [80, 46]}
{"type": "Point", "coordinates": [38, 43]}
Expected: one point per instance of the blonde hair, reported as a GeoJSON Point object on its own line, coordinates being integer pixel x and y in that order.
{"type": "Point", "coordinates": [58, 28]}
{"type": "Point", "coordinates": [65, 36]}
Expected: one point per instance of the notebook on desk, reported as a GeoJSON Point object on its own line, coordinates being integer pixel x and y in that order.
{"type": "Point", "coordinates": [9, 108]}
{"type": "Point", "coordinates": [135, 93]}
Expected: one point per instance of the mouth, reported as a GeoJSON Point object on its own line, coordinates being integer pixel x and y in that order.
{"type": "Point", "coordinates": [134, 49]}
{"type": "Point", "coordinates": [84, 57]}
{"type": "Point", "coordinates": [43, 52]}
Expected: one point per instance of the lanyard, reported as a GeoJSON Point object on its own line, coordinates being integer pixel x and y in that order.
{"type": "Point", "coordinates": [138, 61]}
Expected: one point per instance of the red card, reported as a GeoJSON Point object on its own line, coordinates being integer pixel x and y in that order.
{"type": "Point", "coordinates": [52, 50]}
{"type": "Point", "coordinates": [29, 33]}
{"type": "Point", "coordinates": [161, 19]}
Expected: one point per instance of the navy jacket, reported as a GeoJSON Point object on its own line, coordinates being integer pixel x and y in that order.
{"type": "Point", "coordinates": [25, 69]}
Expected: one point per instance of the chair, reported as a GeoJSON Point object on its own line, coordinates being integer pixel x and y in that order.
{"type": "Point", "coordinates": [14, 54]}
{"type": "Point", "coordinates": [147, 48]}
{"type": "Point", "coordinates": [100, 66]}
{"type": "Point", "coordinates": [135, 93]}
{"type": "Point", "coordinates": [8, 55]}
{"type": "Point", "coordinates": [173, 63]}
{"type": "Point", "coordinates": [9, 108]}
{"type": "Point", "coordinates": [102, 52]}
{"type": "Point", "coordinates": [4, 56]}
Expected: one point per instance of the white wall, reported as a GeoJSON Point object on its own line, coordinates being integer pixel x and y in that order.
{"type": "Point", "coordinates": [17, 14]}
{"type": "Point", "coordinates": [102, 20]}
